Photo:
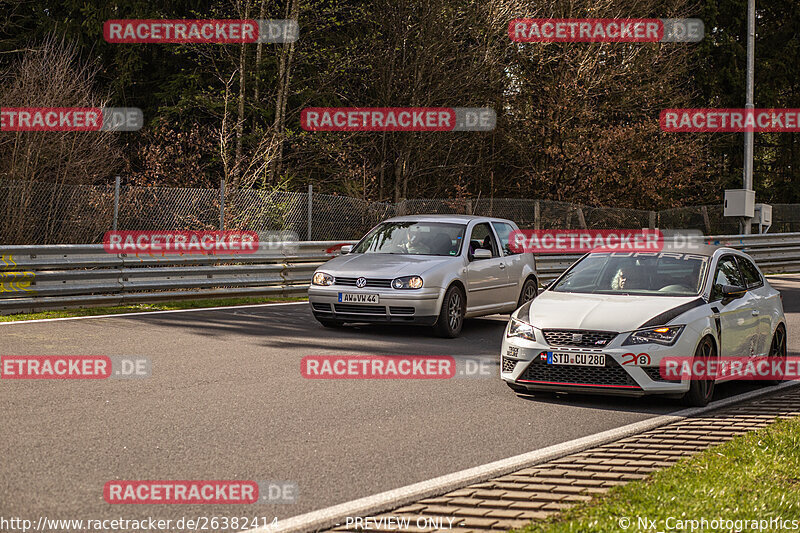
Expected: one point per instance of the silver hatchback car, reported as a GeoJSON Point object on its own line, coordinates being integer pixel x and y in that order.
{"type": "Point", "coordinates": [432, 270]}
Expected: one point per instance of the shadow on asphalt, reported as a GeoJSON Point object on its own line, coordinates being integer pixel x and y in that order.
{"type": "Point", "coordinates": [632, 404]}
{"type": "Point", "coordinates": [293, 327]}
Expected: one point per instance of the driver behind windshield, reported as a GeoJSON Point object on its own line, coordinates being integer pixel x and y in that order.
{"type": "Point", "coordinates": [629, 277]}
{"type": "Point", "coordinates": [412, 243]}
{"type": "Point", "coordinates": [619, 280]}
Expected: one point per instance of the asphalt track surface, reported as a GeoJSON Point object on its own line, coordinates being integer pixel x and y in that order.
{"type": "Point", "coordinates": [226, 400]}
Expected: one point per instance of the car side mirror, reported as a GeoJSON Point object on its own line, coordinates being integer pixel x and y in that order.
{"type": "Point", "coordinates": [546, 284]}
{"type": "Point", "coordinates": [347, 248]}
{"type": "Point", "coordinates": [732, 292]}
{"type": "Point", "coordinates": [482, 253]}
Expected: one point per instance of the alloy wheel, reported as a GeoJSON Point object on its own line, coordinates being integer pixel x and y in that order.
{"type": "Point", "coordinates": [454, 310]}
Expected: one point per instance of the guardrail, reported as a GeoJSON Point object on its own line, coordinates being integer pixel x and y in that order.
{"type": "Point", "coordinates": [34, 278]}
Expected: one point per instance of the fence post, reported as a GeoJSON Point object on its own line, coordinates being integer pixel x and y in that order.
{"type": "Point", "coordinates": [310, 203]}
{"type": "Point", "coordinates": [116, 203]}
{"type": "Point", "coordinates": [706, 221]}
{"type": "Point", "coordinates": [469, 207]}
{"type": "Point", "coordinates": [581, 219]}
{"type": "Point", "coordinates": [536, 215]}
{"type": "Point", "coordinates": [651, 222]}
{"type": "Point", "coordinates": [222, 204]}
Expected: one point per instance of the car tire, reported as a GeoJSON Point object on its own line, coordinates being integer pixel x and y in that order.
{"type": "Point", "coordinates": [777, 349]}
{"type": "Point", "coordinates": [451, 315]}
{"type": "Point", "coordinates": [530, 290]}
{"type": "Point", "coordinates": [330, 323]}
{"type": "Point", "coordinates": [701, 391]}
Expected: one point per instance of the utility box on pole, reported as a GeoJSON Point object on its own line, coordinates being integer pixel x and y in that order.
{"type": "Point", "coordinates": [739, 203]}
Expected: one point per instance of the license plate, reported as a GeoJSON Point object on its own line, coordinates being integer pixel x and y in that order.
{"type": "Point", "coordinates": [358, 298]}
{"type": "Point", "coordinates": [576, 359]}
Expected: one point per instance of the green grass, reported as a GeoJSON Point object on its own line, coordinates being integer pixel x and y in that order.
{"type": "Point", "coordinates": [754, 476]}
{"type": "Point", "coordinates": [137, 308]}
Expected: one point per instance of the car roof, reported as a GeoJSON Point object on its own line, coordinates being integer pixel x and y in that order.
{"type": "Point", "coordinates": [451, 218]}
{"type": "Point", "coordinates": [696, 248]}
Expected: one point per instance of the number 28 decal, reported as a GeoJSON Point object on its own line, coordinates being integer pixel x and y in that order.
{"type": "Point", "coordinates": [634, 359]}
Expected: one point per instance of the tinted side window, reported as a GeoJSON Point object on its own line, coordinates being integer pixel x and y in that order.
{"type": "Point", "coordinates": [727, 274]}
{"type": "Point", "coordinates": [504, 233]}
{"type": "Point", "coordinates": [750, 272]}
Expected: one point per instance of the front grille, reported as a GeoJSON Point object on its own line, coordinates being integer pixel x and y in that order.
{"type": "Point", "coordinates": [589, 339]}
{"type": "Point", "coordinates": [360, 309]}
{"type": "Point", "coordinates": [611, 374]}
{"type": "Point", "coordinates": [322, 308]}
{"type": "Point", "coordinates": [509, 364]}
{"type": "Point", "coordinates": [371, 282]}
{"type": "Point", "coordinates": [654, 373]}
{"type": "Point", "coordinates": [401, 310]}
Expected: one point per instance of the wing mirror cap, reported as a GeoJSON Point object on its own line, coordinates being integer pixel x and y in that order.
{"type": "Point", "coordinates": [347, 248]}
{"type": "Point", "coordinates": [733, 291]}
{"type": "Point", "coordinates": [482, 253]}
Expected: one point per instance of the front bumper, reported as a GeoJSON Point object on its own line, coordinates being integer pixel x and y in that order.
{"type": "Point", "coordinates": [522, 366]}
{"type": "Point", "coordinates": [419, 307]}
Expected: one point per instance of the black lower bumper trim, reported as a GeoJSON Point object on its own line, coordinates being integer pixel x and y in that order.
{"type": "Point", "coordinates": [379, 319]}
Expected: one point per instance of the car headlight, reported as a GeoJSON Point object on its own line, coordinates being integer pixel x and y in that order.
{"type": "Point", "coordinates": [666, 335]}
{"type": "Point", "coordinates": [518, 328]}
{"type": "Point", "coordinates": [322, 278]}
{"type": "Point", "coordinates": [407, 282]}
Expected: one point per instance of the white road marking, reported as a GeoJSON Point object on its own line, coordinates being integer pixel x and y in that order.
{"type": "Point", "coordinates": [139, 313]}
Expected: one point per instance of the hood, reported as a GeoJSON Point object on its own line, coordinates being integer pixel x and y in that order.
{"type": "Point", "coordinates": [564, 310]}
{"type": "Point", "coordinates": [382, 265]}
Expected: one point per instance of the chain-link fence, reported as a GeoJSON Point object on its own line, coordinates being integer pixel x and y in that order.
{"type": "Point", "coordinates": [47, 213]}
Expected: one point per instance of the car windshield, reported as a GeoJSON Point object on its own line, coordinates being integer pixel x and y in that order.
{"type": "Point", "coordinates": [657, 274]}
{"type": "Point", "coordinates": [413, 238]}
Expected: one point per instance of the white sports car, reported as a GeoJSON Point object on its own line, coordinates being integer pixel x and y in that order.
{"type": "Point", "coordinates": [606, 323]}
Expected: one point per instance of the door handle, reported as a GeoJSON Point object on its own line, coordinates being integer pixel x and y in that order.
{"type": "Point", "coordinates": [756, 312]}
{"type": "Point", "coordinates": [502, 265]}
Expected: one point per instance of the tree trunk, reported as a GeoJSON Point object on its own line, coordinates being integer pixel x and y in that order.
{"type": "Point", "coordinates": [237, 163]}
{"type": "Point", "coordinates": [284, 77]}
